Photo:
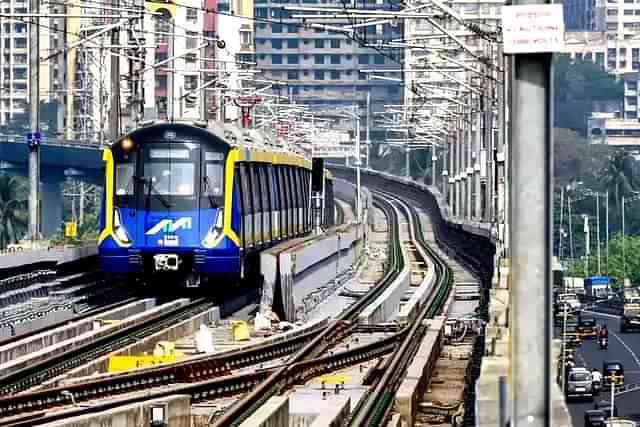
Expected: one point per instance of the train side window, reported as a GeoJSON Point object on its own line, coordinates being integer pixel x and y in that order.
{"type": "Point", "coordinates": [294, 200]}
{"type": "Point", "coordinates": [245, 202]}
{"type": "Point", "coordinates": [287, 192]}
{"type": "Point", "coordinates": [284, 219]}
{"type": "Point", "coordinates": [264, 188]}
{"type": "Point", "coordinates": [255, 188]}
{"type": "Point", "coordinates": [273, 188]}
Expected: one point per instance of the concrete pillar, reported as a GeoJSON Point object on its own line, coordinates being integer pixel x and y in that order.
{"type": "Point", "coordinates": [51, 212]}
{"type": "Point", "coordinates": [450, 178]}
{"type": "Point", "coordinates": [469, 166]}
{"type": "Point", "coordinates": [476, 167]}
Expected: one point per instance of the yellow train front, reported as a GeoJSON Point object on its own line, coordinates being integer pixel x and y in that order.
{"type": "Point", "coordinates": [183, 202]}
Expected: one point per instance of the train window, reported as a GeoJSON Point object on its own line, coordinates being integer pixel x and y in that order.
{"type": "Point", "coordinates": [171, 178]}
{"type": "Point", "coordinates": [237, 185]}
{"type": "Point", "coordinates": [264, 188]}
{"type": "Point", "coordinates": [273, 188]}
{"type": "Point", "coordinates": [213, 179]}
{"type": "Point", "coordinates": [246, 190]}
{"type": "Point", "coordinates": [255, 188]}
{"type": "Point", "coordinates": [124, 178]}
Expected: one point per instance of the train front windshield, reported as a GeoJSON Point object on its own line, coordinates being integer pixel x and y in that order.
{"type": "Point", "coordinates": [169, 176]}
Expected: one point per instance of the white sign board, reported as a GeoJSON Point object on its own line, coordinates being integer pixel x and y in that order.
{"type": "Point", "coordinates": [533, 28]}
{"type": "Point", "coordinates": [332, 151]}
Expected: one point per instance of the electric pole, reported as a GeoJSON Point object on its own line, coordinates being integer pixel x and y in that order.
{"type": "Point", "coordinates": [34, 118]}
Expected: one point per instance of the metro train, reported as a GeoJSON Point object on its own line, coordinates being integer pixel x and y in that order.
{"type": "Point", "coordinates": [187, 203]}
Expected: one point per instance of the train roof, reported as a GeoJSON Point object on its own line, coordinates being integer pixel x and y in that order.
{"type": "Point", "coordinates": [253, 144]}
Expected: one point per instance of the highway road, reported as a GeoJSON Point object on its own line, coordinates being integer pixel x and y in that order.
{"type": "Point", "coordinates": [623, 347]}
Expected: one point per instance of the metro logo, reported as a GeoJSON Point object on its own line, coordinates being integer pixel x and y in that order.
{"type": "Point", "coordinates": [170, 226]}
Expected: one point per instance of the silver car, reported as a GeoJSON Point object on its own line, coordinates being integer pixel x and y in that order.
{"type": "Point", "coordinates": [579, 384]}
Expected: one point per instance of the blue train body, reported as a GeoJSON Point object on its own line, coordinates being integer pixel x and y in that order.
{"type": "Point", "coordinates": [182, 201]}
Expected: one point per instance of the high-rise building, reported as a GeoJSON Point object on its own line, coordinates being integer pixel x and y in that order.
{"type": "Point", "coordinates": [323, 69]}
{"type": "Point", "coordinates": [14, 60]}
{"type": "Point", "coordinates": [586, 15]}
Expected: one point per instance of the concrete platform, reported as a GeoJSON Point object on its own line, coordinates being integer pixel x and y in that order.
{"type": "Point", "coordinates": [174, 410]}
{"type": "Point", "coordinates": [45, 339]}
{"type": "Point", "coordinates": [274, 413]}
{"type": "Point", "coordinates": [80, 340]}
{"type": "Point", "coordinates": [55, 255]}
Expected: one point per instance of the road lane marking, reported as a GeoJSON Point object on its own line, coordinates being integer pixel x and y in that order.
{"type": "Point", "coordinates": [597, 313]}
{"type": "Point", "coordinates": [625, 345]}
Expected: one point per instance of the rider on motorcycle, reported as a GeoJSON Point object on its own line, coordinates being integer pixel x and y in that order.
{"type": "Point", "coordinates": [604, 332]}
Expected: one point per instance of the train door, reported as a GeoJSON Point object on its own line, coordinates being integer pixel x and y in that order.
{"type": "Point", "coordinates": [247, 207]}
{"type": "Point", "coordinates": [286, 198]}
{"type": "Point", "coordinates": [257, 202]}
{"type": "Point", "coordinates": [266, 207]}
{"type": "Point", "coordinates": [294, 205]}
{"type": "Point", "coordinates": [273, 203]}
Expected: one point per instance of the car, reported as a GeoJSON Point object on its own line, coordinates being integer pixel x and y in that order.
{"type": "Point", "coordinates": [594, 418]}
{"type": "Point", "coordinates": [587, 326]}
{"type": "Point", "coordinates": [579, 384]}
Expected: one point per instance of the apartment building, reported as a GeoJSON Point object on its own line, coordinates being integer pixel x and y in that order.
{"type": "Point", "coordinates": [14, 61]}
{"type": "Point", "coordinates": [322, 69]}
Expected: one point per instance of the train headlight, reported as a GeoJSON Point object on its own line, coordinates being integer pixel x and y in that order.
{"type": "Point", "coordinates": [118, 228]}
{"type": "Point", "coordinates": [215, 231]}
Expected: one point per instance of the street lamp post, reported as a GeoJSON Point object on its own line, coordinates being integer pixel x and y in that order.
{"type": "Point", "coordinates": [587, 250]}
{"type": "Point", "coordinates": [624, 249]}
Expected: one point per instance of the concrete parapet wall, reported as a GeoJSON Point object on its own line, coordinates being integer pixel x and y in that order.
{"type": "Point", "coordinates": [409, 310]}
{"type": "Point", "coordinates": [419, 372]}
{"type": "Point", "coordinates": [176, 408]}
{"type": "Point", "coordinates": [81, 340]}
{"type": "Point", "coordinates": [335, 414]}
{"type": "Point", "coordinates": [145, 345]}
{"type": "Point", "coordinates": [48, 338]}
{"type": "Point", "coordinates": [274, 413]}
{"type": "Point", "coordinates": [293, 269]}
{"type": "Point", "coordinates": [59, 256]}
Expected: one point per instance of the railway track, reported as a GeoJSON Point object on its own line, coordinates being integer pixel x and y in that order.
{"type": "Point", "coordinates": [44, 370]}
{"type": "Point", "coordinates": [210, 377]}
{"type": "Point", "coordinates": [207, 375]}
{"type": "Point", "coordinates": [376, 406]}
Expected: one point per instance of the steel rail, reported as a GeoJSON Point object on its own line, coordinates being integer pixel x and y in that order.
{"type": "Point", "coordinates": [201, 369]}
{"type": "Point", "coordinates": [280, 379]}
{"type": "Point", "coordinates": [51, 367]}
{"type": "Point", "coordinates": [377, 403]}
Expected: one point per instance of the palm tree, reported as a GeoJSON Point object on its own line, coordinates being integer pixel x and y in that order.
{"type": "Point", "coordinates": [13, 209]}
{"type": "Point", "coordinates": [618, 177]}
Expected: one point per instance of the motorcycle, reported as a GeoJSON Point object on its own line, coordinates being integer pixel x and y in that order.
{"type": "Point", "coordinates": [596, 387]}
{"type": "Point", "coordinates": [604, 343]}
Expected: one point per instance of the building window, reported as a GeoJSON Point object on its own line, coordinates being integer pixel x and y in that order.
{"type": "Point", "coordinates": [292, 29]}
{"type": "Point", "coordinates": [262, 26]}
{"type": "Point", "coordinates": [363, 59]}
{"type": "Point", "coordinates": [192, 14]}
{"type": "Point", "coordinates": [293, 58]}
{"type": "Point", "coordinates": [276, 59]}
{"type": "Point", "coordinates": [261, 41]}
{"type": "Point", "coordinates": [292, 43]}
{"type": "Point", "coordinates": [379, 59]}
{"type": "Point", "coordinates": [223, 7]}
{"type": "Point", "coordinates": [276, 28]}
{"type": "Point", "coordinates": [393, 90]}
{"type": "Point", "coordinates": [335, 59]}
{"type": "Point", "coordinates": [292, 75]}
{"type": "Point", "coordinates": [276, 43]}
{"type": "Point", "coordinates": [192, 40]}
{"type": "Point", "coordinates": [318, 59]}
{"type": "Point", "coordinates": [262, 12]}
{"type": "Point", "coordinates": [318, 75]}
{"type": "Point", "coordinates": [262, 57]}
{"type": "Point", "coordinates": [319, 43]}
{"type": "Point", "coordinates": [335, 44]}
{"type": "Point", "coordinates": [245, 37]}
{"type": "Point", "coordinates": [628, 12]}
{"type": "Point", "coordinates": [335, 75]}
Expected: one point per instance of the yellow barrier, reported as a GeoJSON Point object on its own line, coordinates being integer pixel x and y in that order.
{"type": "Point", "coordinates": [240, 330]}
{"type": "Point", "coordinates": [332, 379]}
{"type": "Point", "coordinates": [126, 363]}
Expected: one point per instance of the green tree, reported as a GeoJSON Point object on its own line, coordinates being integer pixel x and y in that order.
{"type": "Point", "coordinates": [13, 209]}
{"type": "Point", "coordinates": [624, 256]}
{"type": "Point", "coordinates": [576, 87]}
{"type": "Point", "coordinates": [618, 176]}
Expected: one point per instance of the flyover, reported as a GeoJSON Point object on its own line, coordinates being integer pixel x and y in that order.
{"type": "Point", "coordinates": [59, 161]}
